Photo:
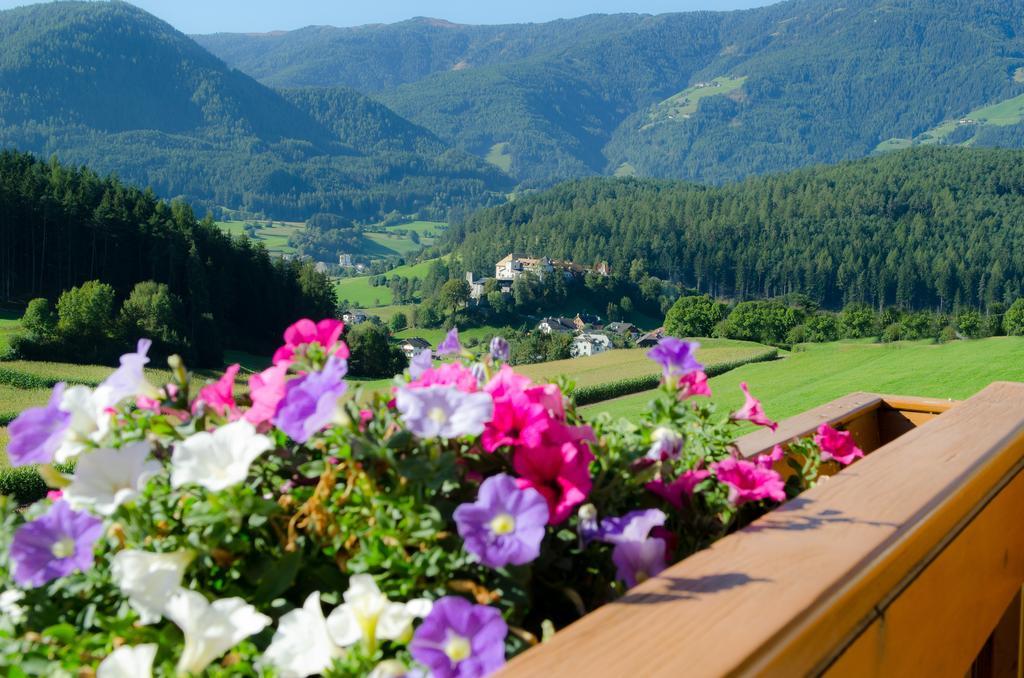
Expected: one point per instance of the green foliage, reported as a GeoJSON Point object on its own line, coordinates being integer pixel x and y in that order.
{"type": "Point", "coordinates": [152, 311]}
{"type": "Point", "coordinates": [857, 320]}
{"type": "Point", "coordinates": [86, 313]}
{"type": "Point", "coordinates": [1013, 321]}
{"type": "Point", "coordinates": [766, 322]}
{"type": "Point", "coordinates": [694, 316]}
{"type": "Point", "coordinates": [372, 354]}
{"type": "Point", "coordinates": [39, 321]}
{"type": "Point", "coordinates": [971, 324]}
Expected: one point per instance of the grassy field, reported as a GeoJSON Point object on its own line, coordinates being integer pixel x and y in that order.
{"type": "Point", "coordinates": [685, 103]}
{"type": "Point", "coordinates": [386, 313]}
{"type": "Point", "coordinates": [1001, 114]}
{"type": "Point", "coordinates": [360, 294]}
{"type": "Point", "coordinates": [824, 372]}
{"type": "Point", "coordinates": [89, 375]}
{"type": "Point", "coordinates": [274, 238]}
{"type": "Point", "coordinates": [434, 336]}
{"type": "Point", "coordinates": [500, 157]}
{"type": "Point", "coordinates": [10, 322]}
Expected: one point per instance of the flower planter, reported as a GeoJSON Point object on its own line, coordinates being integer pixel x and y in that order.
{"type": "Point", "coordinates": [909, 563]}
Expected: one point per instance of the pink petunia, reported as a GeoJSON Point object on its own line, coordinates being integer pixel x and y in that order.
{"type": "Point", "coordinates": [769, 460]}
{"type": "Point", "coordinates": [837, 445]}
{"type": "Point", "coordinates": [266, 390]}
{"type": "Point", "coordinates": [365, 417]}
{"type": "Point", "coordinates": [448, 374]}
{"type": "Point", "coordinates": [682, 486]}
{"type": "Point", "coordinates": [694, 384]}
{"type": "Point", "coordinates": [522, 412]}
{"type": "Point", "coordinates": [748, 481]}
{"type": "Point", "coordinates": [219, 396]}
{"type": "Point", "coordinates": [752, 411]}
{"type": "Point", "coordinates": [327, 333]}
{"type": "Point", "coordinates": [559, 468]}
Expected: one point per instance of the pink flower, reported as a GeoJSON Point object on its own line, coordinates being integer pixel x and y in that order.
{"type": "Point", "coordinates": [54, 495]}
{"type": "Point", "coordinates": [837, 445]}
{"type": "Point", "coordinates": [748, 481]}
{"type": "Point", "coordinates": [218, 395]}
{"type": "Point", "coordinates": [266, 390]}
{"type": "Point", "coordinates": [327, 333]}
{"type": "Point", "coordinates": [522, 412]}
{"type": "Point", "coordinates": [694, 384]}
{"type": "Point", "coordinates": [683, 485]}
{"type": "Point", "coordinates": [559, 469]}
{"type": "Point", "coordinates": [365, 417]}
{"type": "Point", "coordinates": [752, 411]}
{"type": "Point", "coordinates": [769, 460]}
{"type": "Point", "coordinates": [448, 374]}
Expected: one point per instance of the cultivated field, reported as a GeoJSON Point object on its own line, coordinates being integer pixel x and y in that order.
{"type": "Point", "coordinates": [824, 372]}
{"type": "Point", "coordinates": [684, 104]}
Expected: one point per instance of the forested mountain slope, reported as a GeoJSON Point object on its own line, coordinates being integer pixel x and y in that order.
{"type": "Point", "coordinates": [109, 85]}
{"type": "Point", "coordinates": [928, 227]}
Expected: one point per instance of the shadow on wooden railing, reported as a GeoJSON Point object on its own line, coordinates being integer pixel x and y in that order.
{"type": "Point", "coordinates": [908, 563]}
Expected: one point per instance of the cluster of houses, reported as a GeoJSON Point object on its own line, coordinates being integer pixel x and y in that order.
{"type": "Point", "coordinates": [512, 267]}
{"type": "Point", "coordinates": [592, 336]}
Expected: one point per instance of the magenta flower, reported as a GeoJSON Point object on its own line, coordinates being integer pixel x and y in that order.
{"type": "Point", "coordinates": [682, 486]}
{"type": "Point", "coordinates": [638, 561]}
{"type": "Point", "coordinates": [267, 391]}
{"type": "Point", "coordinates": [448, 374]}
{"type": "Point", "coordinates": [769, 460]}
{"type": "Point", "coordinates": [694, 384]}
{"type": "Point", "coordinates": [837, 445]}
{"type": "Point", "coordinates": [443, 411]}
{"type": "Point", "coordinates": [420, 363]}
{"type": "Point", "coordinates": [54, 545]}
{"type": "Point", "coordinates": [451, 344]}
{"type": "Point", "coordinates": [38, 431]}
{"type": "Point", "coordinates": [500, 350]}
{"type": "Point", "coordinates": [752, 411]}
{"type": "Point", "coordinates": [748, 481]}
{"type": "Point", "coordinates": [219, 396]}
{"type": "Point", "coordinates": [326, 333]}
{"type": "Point", "coordinates": [676, 357]}
{"type": "Point", "coordinates": [311, 401]}
{"type": "Point", "coordinates": [522, 411]}
{"type": "Point", "coordinates": [460, 640]}
{"type": "Point", "coordinates": [505, 524]}
{"type": "Point", "coordinates": [559, 468]}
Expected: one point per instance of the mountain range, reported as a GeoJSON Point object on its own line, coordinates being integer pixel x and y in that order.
{"type": "Point", "coordinates": [426, 115]}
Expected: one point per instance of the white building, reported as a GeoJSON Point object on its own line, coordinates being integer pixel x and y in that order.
{"type": "Point", "coordinates": [590, 344]}
{"type": "Point", "coordinates": [354, 317]}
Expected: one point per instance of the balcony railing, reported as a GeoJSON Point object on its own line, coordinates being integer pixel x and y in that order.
{"type": "Point", "coordinates": [908, 563]}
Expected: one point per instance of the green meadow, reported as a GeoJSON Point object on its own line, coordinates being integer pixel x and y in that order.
{"type": "Point", "coordinates": [10, 321]}
{"type": "Point", "coordinates": [1002, 114]}
{"type": "Point", "coordinates": [361, 294]}
{"type": "Point", "coordinates": [823, 372]}
{"type": "Point", "coordinates": [500, 156]}
{"type": "Point", "coordinates": [274, 237]}
{"type": "Point", "coordinates": [685, 103]}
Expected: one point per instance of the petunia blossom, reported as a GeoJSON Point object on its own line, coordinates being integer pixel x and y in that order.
{"type": "Point", "coordinates": [448, 374]}
{"type": "Point", "coordinates": [266, 389]}
{"type": "Point", "coordinates": [54, 545]}
{"type": "Point", "coordinates": [302, 646]}
{"type": "Point", "coordinates": [91, 417]}
{"type": "Point", "coordinates": [676, 357]}
{"type": "Point", "coordinates": [420, 363]}
{"type": "Point", "coordinates": [505, 525]}
{"type": "Point", "coordinates": [500, 349]}
{"type": "Point", "coordinates": [460, 640]}
{"type": "Point", "coordinates": [752, 410]}
{"type": "Point", "coordinates": [37, 433]}
{"type": "Point", "coordinates": [148, 579]}
{"type": "Point", "coordinates": [219, 396]}
{"type": "Point", "coordinates": [748, 481]}
{"type": "Point", "coordinates": [633, 526]}
{"type": "Point", "coordinates": [666, 443]}
{"type": "Point", "coordinates": [443, 411]}
{"type": "Point", "coordinates": [310, 402]}
{"type": "Point", "coordinates": [694, 384]}
{"type": "Point", "coordinates": [220, 459]}
{"type": "Point", "coordinates": [638, 561]}
{"type": "Point", "coordinates": [771, 458]}
{"type": "Point", "coordinates": [129, 661]}
{"type": "Point", "coordinates": [368, 616]}
{"type": "Point", "coordinates": [106, 478]}
{"type": "Point", "coordinates": [303, 333]}
{"type": "Point", "coordinates": [211, 629]}
{"type": "Point", "coordinates": [682, 486]}
{"type": "Point", "coordinates": [559, 468]}
{"type": "Point", "coordinates": [129, 380]}
{"type": "Point", "coordinates": [837, 445]}
{"type": "Point", "coordinates": [450, 345]}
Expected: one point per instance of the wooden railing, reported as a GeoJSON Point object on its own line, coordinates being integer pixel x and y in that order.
{"type": "Point", "coordinates": [908, 563]}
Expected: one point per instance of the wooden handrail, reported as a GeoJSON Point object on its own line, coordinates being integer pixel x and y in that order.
{"type": "Point", "coordinates": [900, 565]}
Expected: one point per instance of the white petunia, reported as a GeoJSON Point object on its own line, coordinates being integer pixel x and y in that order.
{"type": "Point", "coordinates": [106, 478]}
{"type": "Point", "coordinates": [368, 615]}
{"type": "Point", "coordinates": [89, 424]}
{"type": "Point", "coordinates": [129, 380]}
{"type": "Point", "coordinates": [9, 606]}
{"type": "Point", "coordinates": [301, 645]}
{"type": "Point", "coordinates": [220, 459]}
{"type": "Point", "coordinates": [128, 661]}
{"type": "Point", "coordinates": [211, 629]}
{"type": "Point", "coordinates": [149, 580]}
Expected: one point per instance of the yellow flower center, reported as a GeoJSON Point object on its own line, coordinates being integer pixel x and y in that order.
{"type": "Point", "coordinates": [503, 524]}
{"type": "Point", "coordinates": [65, 548]}
{"type": "Point", "coordinates": [438, 415]}
{"type": "Point", "coordinates": [458, 648]}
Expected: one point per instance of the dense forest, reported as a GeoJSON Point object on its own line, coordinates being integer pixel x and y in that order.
{"type": "Point", "coordinates": [826, 80]}
{"type": "Point", "coordinates": [62, 226]}
{"type": "Point", "coordinates": [936, 228]}
{"type": "Point", "coordinates": [110, 86]}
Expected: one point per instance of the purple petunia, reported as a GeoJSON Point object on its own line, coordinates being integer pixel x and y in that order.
{"type": "Point", "coordinates": [444, 411]}
{"type": "Point", "coordinates": [505, 524]}
{"type": "Point", "coordinates": [451, 344]}
{"type": "Point", "coordinates": [632, 527]}
{"type": "Point", "coordinates": [638, 561]}
{"type": "Point", "coordinates": [420, 363]}
{"type": "Point", "coordinates": [500, 349]}
{"type": "Point", "coordinates": [129, 378]}
{"type": "Point", "coordinates": [311, 401]}
{"type": "Point", "coordinates": [460, 640]}
{"type": "Point", "coordinates": [38, 432]}
{"type": "Point", "coordinates": [54, 545]}
{"type": "Point", "coordinates": [676, 357]}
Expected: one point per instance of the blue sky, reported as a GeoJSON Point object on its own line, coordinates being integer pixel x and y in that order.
{"type": "Point", "coordinates": [210, 16]}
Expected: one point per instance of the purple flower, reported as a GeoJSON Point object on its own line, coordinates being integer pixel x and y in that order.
{"type": "Point", "coordinates": [460, 640]}
{"type": "Point", "coordinates": [129, 378]}
{"type": "Point", "coordinates": [450, 344]}
{"type": "Point", "coordinates": [675, 356]}
{"type": "Point", "coordinates": [420, 363]}
{"type": "Point", "coordinates": [500, 350]}
{"type": "Point", "coordinates": [444, 411]}
{"type": "Point", "coordinates": [665, 444]}
{"type": "Point", "coordinates": [54, 545]}
{"type": "Point", "coordinates": [310, 402]}
{"type": "Point", "coordinates": [638, 561]}
{"type": "Point", "coordinates": [38, 432]}
{"type": "Point", "coordinates": [632, 527]}
{"type": "Point", "coordinates": [505, 524]}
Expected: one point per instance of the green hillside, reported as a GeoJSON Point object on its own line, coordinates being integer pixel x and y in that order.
{"type": "Point", "coordinates": [966, 129]}
{"type": "Point", "coordinates": [683, 105]}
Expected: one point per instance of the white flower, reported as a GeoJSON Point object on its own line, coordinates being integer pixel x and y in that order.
{"type": "Point", "coordinates": [89, 424]}
{"type": "Point", "coordinates": [128, 661]}
{"type": "Point", "coordinates": [129, 380]}
{"type": "Point", "coordinates": [389, 668]}
{"type": "Point", "coordinates": [149, 580]}
{"type": "Point", "coordinates": [9, 606]}
{"type": "Point", "coordinates": [301, 645]}
{"type": "Point", "coordinates": [211, 629]}
{"type": "Point", "coordinates": [106, 478]}
{"type": "Point", "coordinates": [368, 615]}
{"type": "Point", "coordinates": [220, 459]}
